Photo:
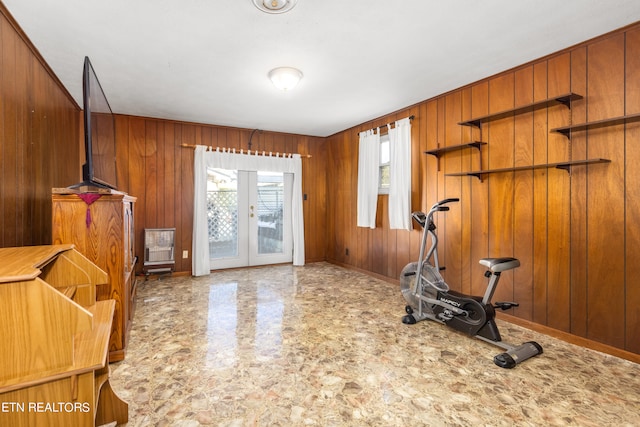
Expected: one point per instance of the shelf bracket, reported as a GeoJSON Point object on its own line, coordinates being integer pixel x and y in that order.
{"type": "Point", "coordinates": [565, 100]}
{"type": "Point", "coordinates": [565, 132]}
{"type": "Point", "coordinates": [477, 175]}
{"type": "Point", "coordinates": [476, 123]}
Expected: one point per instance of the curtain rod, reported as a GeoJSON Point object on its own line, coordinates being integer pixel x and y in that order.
{"type": "Point", "coordinates": [253, 152]}
{"type": "Point", "coordinates": [388, 124]}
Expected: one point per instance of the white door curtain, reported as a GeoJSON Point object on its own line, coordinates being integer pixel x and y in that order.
{"type": "Point", "coordinates": [204, 159]}
{"type": "Point", "coordinates": [400, 175]}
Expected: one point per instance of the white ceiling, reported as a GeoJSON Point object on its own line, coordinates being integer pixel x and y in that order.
{"type": "Point", "coordinates": [205, 61]}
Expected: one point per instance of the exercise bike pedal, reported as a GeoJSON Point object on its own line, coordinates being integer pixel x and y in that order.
{"type": "Point", "coordinates": [506, 305]}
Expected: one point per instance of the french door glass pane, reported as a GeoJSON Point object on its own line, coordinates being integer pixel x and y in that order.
{"type": "Point", "coordinates": [222, 212]}
{"type": "Point", "coordinates": [270, 208]}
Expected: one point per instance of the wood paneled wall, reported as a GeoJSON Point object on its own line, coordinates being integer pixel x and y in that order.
{"type": "Point", "coordinates": [155, 168]}
{"type": "Point", "coordinates": [576, 234]}
{"type": "Point", "coordinates": [41, 148]}
{"type": "Point", "coordinates": [39, 139]}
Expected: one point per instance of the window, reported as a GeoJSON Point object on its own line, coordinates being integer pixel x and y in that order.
{"type": "Point", "coordinates": [383, 177]}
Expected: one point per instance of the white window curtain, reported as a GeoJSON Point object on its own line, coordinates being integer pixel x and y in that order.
{"type": "Point", "coordinates": [400, 175]}
{"type": "Point", "coordinates": [368, 170]}
{"type": "Point", "coordinates": [204, 160]}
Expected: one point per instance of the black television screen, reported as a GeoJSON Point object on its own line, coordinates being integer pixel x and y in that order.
{"type": "Point", "coordinates": [99, 133]}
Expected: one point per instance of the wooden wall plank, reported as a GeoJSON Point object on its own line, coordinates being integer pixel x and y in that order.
{"type": "Point", "coordinates": [632, 193]}
{"type": "Point", "coordinates": [579, 193]}
{"type": "Point", "coordinates": [150, 170]}
{"type": "Point", "coordinates": [540, 191]}
{"type": "Point", "coordinates": [605, 206]}
{"type": "Point", "coordinates": [479, 195]}
{"type": "Point", "coordinates": [451, 221]}
{"type": "Point", "coordinates": [470, 161]}
{"type": "Point", "coordinates": [523, 220]}
{"type": "Point", "coordinates": [500, 137]}
{"type": "Point", "coordinates": [558, 199]}
{"type": "Point", "coordinates": [3, 86]}
{"type": "Point", "coordinates": [10, 195]}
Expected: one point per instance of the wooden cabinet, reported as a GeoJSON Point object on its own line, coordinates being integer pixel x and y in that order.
{"type": "Point", "coordinates": [101, 227]}
{"type": "Point", "coordinates": [54, 361]}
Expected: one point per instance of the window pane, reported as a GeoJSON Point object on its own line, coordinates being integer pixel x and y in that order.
{"type": "Point", "coordinates": [222, 213]}
{"type": "Point", "coordinates": [384, 176]}
{"type": "Point", "coordinates": [384, 151]}
{"type": "Point", "coordinates": [270, 212]}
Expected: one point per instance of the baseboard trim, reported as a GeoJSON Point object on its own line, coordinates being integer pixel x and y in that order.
{"type": "Point", "coordinates": [570, 338]}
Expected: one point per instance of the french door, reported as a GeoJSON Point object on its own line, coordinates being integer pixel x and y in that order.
{"type": "Point", "coordinates": [248, 218]}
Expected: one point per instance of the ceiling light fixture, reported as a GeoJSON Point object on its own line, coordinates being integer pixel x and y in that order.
{"type": "Point", "coordinates": [285, 78]}
{"type": "Point", "coordinates": [275, 6]}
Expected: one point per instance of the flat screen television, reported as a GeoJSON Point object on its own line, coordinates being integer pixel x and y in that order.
{"type": "Point", "coordinates": [99, 169]}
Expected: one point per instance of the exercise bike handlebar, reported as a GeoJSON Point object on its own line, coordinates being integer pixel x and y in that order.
{"type": "Point", "coordinates": [445, 201]}
{"type": "Point", "coordinates": [422, 218]}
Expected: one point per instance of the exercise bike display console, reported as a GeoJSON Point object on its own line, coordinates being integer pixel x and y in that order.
{"type": "Point", "coordinates": [429, 296]}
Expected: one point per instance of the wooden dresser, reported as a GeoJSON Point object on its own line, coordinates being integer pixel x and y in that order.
{"type": "Point", "coordinates": [54, 367]}
{"type": "Point", "coordinates": [101, 226]}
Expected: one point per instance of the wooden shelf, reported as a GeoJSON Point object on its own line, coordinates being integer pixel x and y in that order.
{"type": "Point", "coordinates": [440, 151]}
{"type": "Point", "coordinates": [563, 99]}
{"type": "Point", "coordinates": [562, 165]}
{"type": "Point", "coordinates": [566, 130]}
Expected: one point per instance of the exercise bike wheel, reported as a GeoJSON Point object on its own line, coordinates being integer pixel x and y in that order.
{"type": "Point", "coordinates": [408, 278]}
{"type": "Point", "coordinates": [475, 315]}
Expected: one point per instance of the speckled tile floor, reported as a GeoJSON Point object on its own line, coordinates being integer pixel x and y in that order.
{"type": "Point", "coordinates": [324, 346]}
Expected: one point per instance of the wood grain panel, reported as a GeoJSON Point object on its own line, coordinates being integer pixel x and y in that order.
{"type": "Point", "coordinates": [150, 171]}
{"type": "Point", "coordinates": [500, 136]}
{"type": "Point", "coordinates": [632, 196]}
{"type": "Point", "coordinates": [479, 195]}
{"type": "Point", "coordinates": [579, 193]}
{"type": "Point", "coordinates": [39, 132]}
{"type": "Point", "coordinates": [11, 161]}
{"type": "Point", "coordinates": [470, 161]}
{"type": "Point", "coordinates": [169, 187]}
{"type": "Point", "coordinates": [3, 142]}
{"type": "Point", "coordinates": [451, 221]}
{"type": "Point", "coordinates": [558, 200]}
{"type": "Point", "coordinates": [540, 191]}
{"type": "Point", "coordinates": [605, 205]}
{"type": "Point", "coordinates": [523, 196]}
{"type": "Point", "coordinates": [416, 181]}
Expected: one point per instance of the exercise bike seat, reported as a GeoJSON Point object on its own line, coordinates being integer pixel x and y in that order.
{"type": "Point", "coordinates": [497, 265]}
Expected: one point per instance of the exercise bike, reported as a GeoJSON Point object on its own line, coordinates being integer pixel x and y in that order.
{"type": "Point", "coordinates": [429, 297]}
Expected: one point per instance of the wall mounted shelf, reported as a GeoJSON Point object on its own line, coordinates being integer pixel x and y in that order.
{"type": "Point", "coordinates": [566, 130]}
{"type": "Point", "coordinates": [562, 165]}
{"type": "Point", "coordinates": [563, 99]}
{"type": "Point", "coordinates": [438, 152]}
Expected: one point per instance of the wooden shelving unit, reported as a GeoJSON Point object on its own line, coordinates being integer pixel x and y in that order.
{"type": "Point", "coordinates": [438, 152]}
{"type": "Point", "coordinates": [565, 100]}
{"type": "Point", "coordinates": [55, 341]}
